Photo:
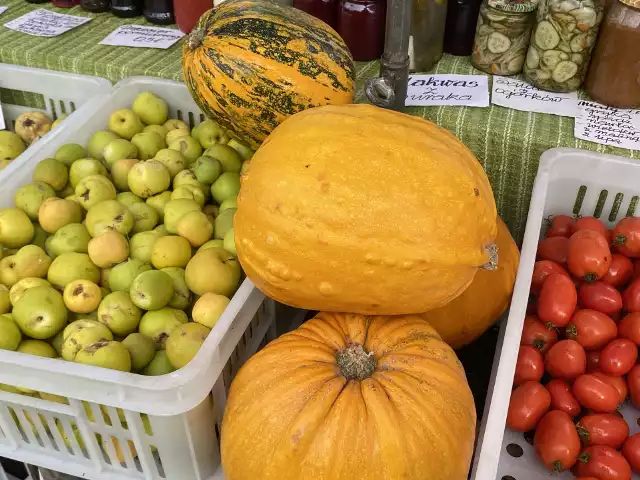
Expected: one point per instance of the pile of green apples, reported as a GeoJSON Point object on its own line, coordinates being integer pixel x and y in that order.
{"type": "Point", "coordinates": [121, 255]}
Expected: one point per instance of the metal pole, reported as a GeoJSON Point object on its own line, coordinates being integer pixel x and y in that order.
{"type": "Point", "coordinates": [389, 90]}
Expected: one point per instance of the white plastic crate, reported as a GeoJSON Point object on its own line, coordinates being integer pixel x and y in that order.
{"type": "Point", "coordinates": [568, 182]}
{"type": "Point", "coordinates": [184, 408]}
{"type": "Point", "coordinates": [62, 92]}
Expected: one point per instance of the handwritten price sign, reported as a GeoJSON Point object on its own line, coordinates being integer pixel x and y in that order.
{"type": "Point", "coordinates": [143, 37]}
{"type": "Point", "coordinates": [519, 95]}
{"type": "Point", "coordinates": [460, 90]}
{"type": "Point", "coordinates": [43, 23]}
{"type": "Point", "coordinates": [607, 125]}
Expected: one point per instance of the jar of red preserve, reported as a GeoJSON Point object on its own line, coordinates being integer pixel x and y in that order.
{"type": "Point", "coordinates": [361, 25]}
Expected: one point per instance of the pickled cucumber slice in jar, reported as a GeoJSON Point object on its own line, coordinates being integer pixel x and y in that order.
{"type": "Point", "coordinates": [565, 70]}
{"type": "Point", "coordinates": [546, 36]}
{"type": "Point", "coordinates": [579, 43]}
{"type": "Point", "coordinates": [585, 18]}
{"type": "Point", "coordinates": [498, 43]}
{"type": "Point", "coordinates": [533, 59]}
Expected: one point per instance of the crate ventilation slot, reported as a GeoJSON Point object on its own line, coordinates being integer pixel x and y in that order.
{"type": "Point", "coordinates": [579, 199]}
{"type": "Point", "coordinates": [515, 450]}
{"type": "Point", "coordinates": [632, 206]}
{"type": "Point", "coordinates": [615, 208]}
{"type": "Point", "coordinates": [602, 198]}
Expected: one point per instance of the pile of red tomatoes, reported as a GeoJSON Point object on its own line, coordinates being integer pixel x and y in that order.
{"type": "Point", "coordinates": [579, 347]}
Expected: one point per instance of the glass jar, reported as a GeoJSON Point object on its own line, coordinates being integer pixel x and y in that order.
{"type": "Point", "coordinates": [126, 8]}
{"type": "Point", "coordinates": [428, 19]}
{"type": "Point", "coordinates": [562, 41]}
{"type": "Point", "coordinates": [159, 12]}
{"type": "Point", "coordinates": [502, 36]}
{"type": "Point", "coordinates": [361, 25]}
{"type": "Point", "coordinates": [325, 10]}
{"type": "Point", "coordinates": [65, 3]}
{"type": "Point", "coordinates": [96, 6]}
{"type": "Point", "coordinates": [462, 17]}
{"type": "Point", "coordinates": [188, 12]}
{"type": "Point", "coordinates": [614, 75]}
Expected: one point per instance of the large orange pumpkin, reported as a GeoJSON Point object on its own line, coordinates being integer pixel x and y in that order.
{"type": "Point", "coordinates": [468, 316]}
{"type": "Point", "coordinates": [350, 397]}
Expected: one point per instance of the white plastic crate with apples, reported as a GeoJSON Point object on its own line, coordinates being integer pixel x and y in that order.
{"type": "Point", "coordinates": [172, 421]}
{"type": "Point", "coordinates": [568, 182]}
{"type": "Point", "coordinates": [62, 93]}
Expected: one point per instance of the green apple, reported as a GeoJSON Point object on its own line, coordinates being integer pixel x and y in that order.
{"type": "Point", "coordinates": [230, 160]}
{"type": "Point", "coordinates": [223, 223]}
{"type": "Point", "coordinates": [209, 133]}
{"type": "Point", "coordinates": [55, 213]}
{"type": "Point", "coordinates": [118, 149]}
{"type": "Point", "coordinates": [112, 355]}
{"type": "Point", "coordinates": [151, 109]}
{"type": "Point", "coordinates": [175, 209]}
{"type": "Point", "coordinates": [108, 249]}
{"type": "Point", "coordinates": [226, 186]}
{"type": "Point", "coordinates": [187, 177]}
{"type": "Point", "coordinates": [127, 199]}
{"type": "Point", "coordinates": [83, 168]}
{"type": "Point", "coordinates": [120, 173]}
{"type": "Point", "coordinates": [189, 192]}
{"type": "Point", "coordinates": [122, 275]}
{"type": "Point", "coordinates": [39, 238]}
{"type": "Point", "coordinates": [141, 245]}
{"type": "Point", "coordinates": [206, 169]}
{"type": "Point", "coordinates": [195, 227]}
{"type": "Point", "coordinates": [148, 178]}
{"type": "Point", "coordinates": [73, 237]}
{"type": "Point", "coordinates": [28, 198]}
{"type": "Point", "coordinates": [242, 148]}
{"type": "Point", "coordinates": [213, 270]}
{"type": "Point", "coordinates": [208, 309]}
{"type": "Point", "coordinates": [11, 146]}
{"type": "Point", "coordinates": [174, 135]}
{"type": "Point", "coordinates": [72, 266]}
{"type": "Point", "coordinates": [37, 348]}
{"type": "Point", "coordinates": [125, 123]}
{"type": "Point", "coordinates": [94, 189]}
{"type": "Point", "coordinates": [5, 300]}
{"type": "Point", "coordinates": [159, 365]}
{"type": "Point", "coordinates": [172, 159]}
{"type": "Point", "coordinates": [98, 142]}
{"type": "Point", "coordinates": [217, 243]}
{"type": "Point", "coordinates": [145, 217]}
{"type": "Point", "coordinates": [52, 172]}
{"type": "Point", "coordinates": [159, 201]}
{"type": "Point", "coordinates": [10, 335]}
{"type": "Point", "coordinates": [170, 251]}
{"type": "Point", "coordinates": [69, 153]}
{"type": "Point", "coordinates": [181, 298]}
{"type": "Point", "coordinates": [82, 296]}
{"type": "Point", "coordinates": [228, 203]}
{"type": "Point", "coordinates": [230, 242]}
{"type": "Point", "coordinates": [31, 261]}
{"type": "Point", "coordinates": [159, 129]}
{"type": "Point", "coordinates": [175, 124]}
{"type": "Point", "coordinates": [118, 312]}
{"type": "Point", "coordinates": [80, 334]}
{"type": "Point", "coordinates": [40, 313]}
{"type": "Point", "coordinates": [8, 275]}
{"type": "Point", "coordinates": [109, 215]}
{"type": "Point", "coordinates": [23, 285]}
{"type": "Point", "coordinates": [184, 343]}
{"type": "Point", "coordinates": [141, 348]}
{"type": "Point", "coordinates": [16, 228]}
{"type": "Point", "coordinates": [159, 324]}
{"type": "Point", "coordinates": [149, 144]}
{"type": "Point", "coordinates": [151, 290]}
{"type": "Point", "coordinates": [188, 146]}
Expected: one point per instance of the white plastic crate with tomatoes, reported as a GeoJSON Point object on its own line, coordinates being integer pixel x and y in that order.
{"type": "Point", "coordinates": [566, 394]}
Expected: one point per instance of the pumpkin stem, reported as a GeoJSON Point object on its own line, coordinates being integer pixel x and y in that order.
{"type": "Point", "coordinates": [492, 251]}
{"type": "Point", "coordinates": [355, 362]}
{"type": "Point", "coordinates": [195, 39]}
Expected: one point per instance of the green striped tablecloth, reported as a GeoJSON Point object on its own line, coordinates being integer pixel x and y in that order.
{"type": "Point", "coordinates": [507, 142]}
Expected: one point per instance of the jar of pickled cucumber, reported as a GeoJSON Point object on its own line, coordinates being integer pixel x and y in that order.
{"type": "Point", "coordinates": [502, 35]}
{"type": "Point", "coordinates": [561, 44]}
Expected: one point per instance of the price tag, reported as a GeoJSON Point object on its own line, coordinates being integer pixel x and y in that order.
{"type": "Point", "coordinates": [43, 23]}
{"type": "Point", "coordinates": [144, 37]}
{"type": "Point", "coordinates": [3, 9]}
{"type": "Point", "coordinates": [457, 90]}
{"type": "Point", "coordinates": [607, 125]}
{"type": "Point", "coordinates": [520, 95]}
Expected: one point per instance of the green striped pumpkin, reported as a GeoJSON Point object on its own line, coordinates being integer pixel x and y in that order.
{"type": "Point", "coordinates": [250, 64]}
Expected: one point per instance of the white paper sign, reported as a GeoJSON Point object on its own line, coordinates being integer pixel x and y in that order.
{"type": "Point", "coordinates": [43, 23]}
{"type": "Point", "coordinates": [2, 124]}
{"type": "Point", "coordinates": [461, 90]}
{"type": "Point", "coordinates": [141, 36]}
{"type": "Point", "coordinates": [520, 95]}
{"type": "Point", "coordinates": [3, 9]}
{"type": "Point", "coordinates": [607, 125]}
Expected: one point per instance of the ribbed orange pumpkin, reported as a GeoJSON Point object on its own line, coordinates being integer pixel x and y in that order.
{"type": "Point", "coordinates": [350, 397]}
{"type": "Point", "coordinates": [353, 208]}
{"type": "Point", "coordinates": [468, 316]}
{"type": "Point", "coordinates": [249, 64]}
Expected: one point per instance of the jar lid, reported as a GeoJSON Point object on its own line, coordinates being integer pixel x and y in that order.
{"type": "Point", "coordinates": [631, 3]}
{"type": "Point", "coordinates": [518, 5]}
